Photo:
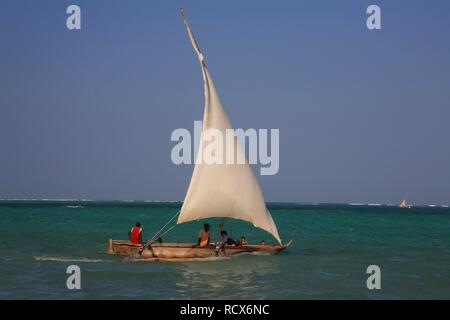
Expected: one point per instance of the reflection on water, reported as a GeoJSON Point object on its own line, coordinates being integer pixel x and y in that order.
{"type": "Point", "coordinates": [239, 278]}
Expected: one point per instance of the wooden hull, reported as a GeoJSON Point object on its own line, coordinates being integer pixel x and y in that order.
{"type": "Point", "coordinates": [186, 251]}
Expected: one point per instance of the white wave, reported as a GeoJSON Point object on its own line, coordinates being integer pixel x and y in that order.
{"type": "Point", "coordinates": [20, 199]}
{"type": "Point", "coordinates": [66, 259]}
{"type": "Point", "coordinates": [162, 201]}
{"type": "Point", "coordinates": [85, 200]}
{"type": "Point", "coordinates": [46, 199]}
{"type": "Point", "coordinates": [63, 200]}
{"type": "Point", "coordinates": [253, 253]}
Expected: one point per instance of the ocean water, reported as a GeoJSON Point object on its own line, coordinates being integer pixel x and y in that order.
{"type": "Point", "coordinates": [333, 246]}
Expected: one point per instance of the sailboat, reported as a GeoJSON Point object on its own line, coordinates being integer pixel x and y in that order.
{"type": "Point", "coordinates": [404, 205]}
{"type": "Point", "coordinates": [215, 190]}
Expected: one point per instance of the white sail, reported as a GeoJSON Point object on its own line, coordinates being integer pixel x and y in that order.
{"type": "Point", "coordinates": [403, 204]}
{"type": "Point", "coordinates": [222, 190]}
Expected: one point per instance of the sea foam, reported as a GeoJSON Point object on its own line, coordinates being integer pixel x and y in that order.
{"type": "Point", "coordinates": [66, 259]}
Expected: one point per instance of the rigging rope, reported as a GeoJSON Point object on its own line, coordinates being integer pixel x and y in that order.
{"type": "Point", "coordinates": [167, 230]}
{"type": "Point", "coordinates": [157, 234]}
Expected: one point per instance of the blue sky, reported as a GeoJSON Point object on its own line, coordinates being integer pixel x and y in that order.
{"type": "Point", "coordinates": [364, 116]}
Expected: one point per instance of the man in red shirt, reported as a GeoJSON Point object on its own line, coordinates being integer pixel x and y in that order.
{"type": "Point", "coordinates": [135, 234]}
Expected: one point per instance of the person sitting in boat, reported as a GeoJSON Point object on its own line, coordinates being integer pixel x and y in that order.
{"type": "Point", "coordinates": [135, 234]}
{"type": "Point", "coordinates": [203, 236]}
{"type": "Point", "coordinates": [243, 241]}
{"type": "Point", "coordinates": [226, 239]}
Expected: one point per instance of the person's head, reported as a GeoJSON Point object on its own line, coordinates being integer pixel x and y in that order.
{"type": "Point", "coordinates": [243, 238]}
{"type": "Point", "coordinates": [138, 224]}
{"type": "Point", "coordinates": [206, 227]}
{"type": "Point", "coordinates": [224, 234]}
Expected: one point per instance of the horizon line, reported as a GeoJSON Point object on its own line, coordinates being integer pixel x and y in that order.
{"type": "Point", "coordinates": [181, 201]}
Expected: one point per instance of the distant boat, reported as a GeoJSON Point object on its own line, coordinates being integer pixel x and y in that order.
{"type": "Point", "coordinates": [404, 205]}
{"type": "Point", "coordinates": [216, 190]}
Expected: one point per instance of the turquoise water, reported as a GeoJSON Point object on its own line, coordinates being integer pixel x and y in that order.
{"type": "Point", "coordinates": [333, 246]}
